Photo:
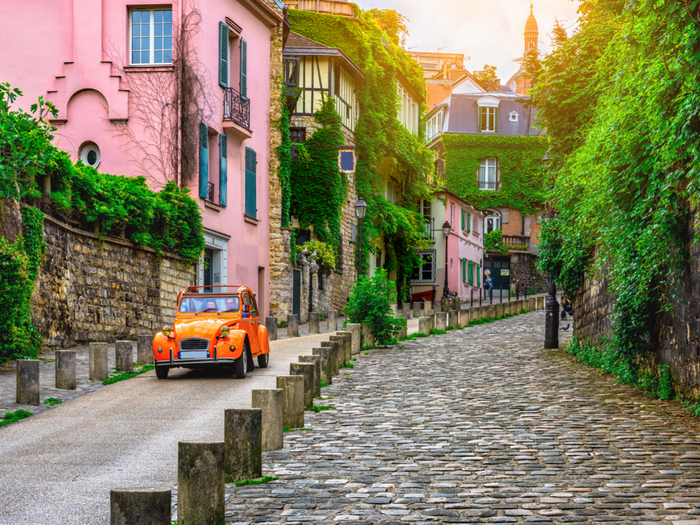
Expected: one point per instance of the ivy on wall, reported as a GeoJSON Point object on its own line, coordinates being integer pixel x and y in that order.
{"type": "Point", "coordinates": [284, 152]}
{"type": "Point", "coordinates": [519, 167]}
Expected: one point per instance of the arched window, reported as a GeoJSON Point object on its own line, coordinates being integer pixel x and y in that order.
{"type": "Point", "coordinates": [492, 220]}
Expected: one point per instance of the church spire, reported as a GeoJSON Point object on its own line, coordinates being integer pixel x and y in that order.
{"type": "Point", "coordinates": [531, 31]}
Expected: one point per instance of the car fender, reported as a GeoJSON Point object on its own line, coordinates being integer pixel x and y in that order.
{"type": "Point", "coordinates": [263, 340]}
{"type": "Point", "coordinates": [235, 338]}
{"type": "Point", "coordinates": [160, 340]}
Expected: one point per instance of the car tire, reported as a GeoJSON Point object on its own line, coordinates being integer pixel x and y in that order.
{"type": "Point", "coordinates": [263, 360]}
{"type": "Point", "coordinates": [251, 362]}
{"type": "Point", "coordinates": [162, 372]}
{"type": "Point", "coordinates": [240, 366]}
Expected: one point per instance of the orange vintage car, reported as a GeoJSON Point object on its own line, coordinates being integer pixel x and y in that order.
{"type": "Point", "coordinates": [214, 326]}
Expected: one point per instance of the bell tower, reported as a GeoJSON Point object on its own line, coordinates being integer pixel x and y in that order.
{"type": "Point", "coordinates": [531, 32]}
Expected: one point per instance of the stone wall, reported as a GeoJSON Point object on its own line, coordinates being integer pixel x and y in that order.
{"type": "Point", "coordinates": [103, 289]}
{"type": "Point", "coordinates": [592, 310]}
{"type": "Point", "coordinates": [523, 268]}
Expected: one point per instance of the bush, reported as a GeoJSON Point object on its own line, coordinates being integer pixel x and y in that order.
{"type": "Point", "coordinates": [370, 300]}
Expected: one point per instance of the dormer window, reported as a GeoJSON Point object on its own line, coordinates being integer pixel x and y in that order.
{"type": "Point", "coordinates": [488, 114]}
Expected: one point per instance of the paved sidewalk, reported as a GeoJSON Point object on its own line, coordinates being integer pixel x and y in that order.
{"type": "Point", "coordinates": [481, 426]}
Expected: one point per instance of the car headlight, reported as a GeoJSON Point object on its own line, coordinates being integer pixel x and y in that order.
{"type": "Point", "coordinates": [225, 330]}
{"type": "Point", "coordinates": [167, 330]}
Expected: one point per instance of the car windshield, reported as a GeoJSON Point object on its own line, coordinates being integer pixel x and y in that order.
{"type": "Point", "coordinates": [209, 304]}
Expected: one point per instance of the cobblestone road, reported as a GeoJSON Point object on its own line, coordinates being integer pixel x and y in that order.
{"type": "Point", "coordinates": [481, 426]}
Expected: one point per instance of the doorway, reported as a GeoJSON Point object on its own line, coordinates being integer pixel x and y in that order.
{"type": "Point", "coordinates": [500, 273]}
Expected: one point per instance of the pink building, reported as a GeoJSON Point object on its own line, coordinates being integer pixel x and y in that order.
{"type": "Point", "coordinates": [113, 68]}
{"type": "Point", "coordinates": [465, 249]}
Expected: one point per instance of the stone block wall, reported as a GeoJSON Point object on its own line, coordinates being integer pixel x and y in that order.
{"type": "Point", "coordinates": [523, 268]}
{"type": "Point", "coordinates": [593, 310]}
{"type": "Point", "coordinates": [103, 289]}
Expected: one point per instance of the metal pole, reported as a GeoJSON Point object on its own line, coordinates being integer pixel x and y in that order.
{"type": "Point", "coordinates": [359, 271]}
{"type": "Point", "coordinates": [491, 295]}
{"type": "Point", "coordinates": [480, 296]}
{"type": "Point", "coordinates": [472, 301]}
{"type": "Point", "coordinates": [551, 319]}
{"type": "Point", "coordinates": [501, 293]}
{"type": "Point", "coordinates": [446, 290]}
{"type": "Point", "coordinates": [509, 292]}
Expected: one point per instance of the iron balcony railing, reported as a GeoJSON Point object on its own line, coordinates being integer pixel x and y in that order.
{"type": "Point", "coordinates": [237, 108]}
{"type": "Point", "coordinates": [489, 185]}
{"type": "Point", "coordinates": [516, 242]}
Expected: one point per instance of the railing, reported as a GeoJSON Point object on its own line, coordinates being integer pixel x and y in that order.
{"type": "Point", "coordinates": [489, 185]}
{"type": "Point", "coordinates": [429, 232]}
{"type": "Point", "coordinates": [338, 7]}
{"type": "Point", "coordinates": [236, 108]}
{"type": "Point", "coordinates": [516, 242]}
{"type": "Point", "coordinates": [210, 191]}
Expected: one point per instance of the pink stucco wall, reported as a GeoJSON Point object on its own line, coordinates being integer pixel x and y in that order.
{"type": "Point", "coordinates": [73, 57]}
{"type": "Point", "coordinates": [463, 245]}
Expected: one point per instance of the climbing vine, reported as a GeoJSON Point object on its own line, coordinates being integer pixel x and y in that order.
{"type": "Point", "coordinates": [284, 152]}
{"type": "Point", "coordinates": [519, 167]}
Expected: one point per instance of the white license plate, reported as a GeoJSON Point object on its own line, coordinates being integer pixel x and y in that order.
{"type": "Point", "coordinates": [193, 354]}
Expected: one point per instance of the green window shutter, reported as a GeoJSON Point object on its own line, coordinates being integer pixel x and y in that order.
{"type": "Point", "coordinates": [203, 160]}
{"type": "Point", "coordinates": [251, 205]}
{"type": "Point", "coordinates": [462, 219]}
{"type": "Point", "coordinates": [478, 275]}
{"type": "Point", "coordinates": [495, 121]}
{"type": "Point", "coordinates": [244, 68]}
{"type": "Point", "coordinates": [223, 168]}
{"type": "Point", "coordinates": [469, 222]}
{"type": "Point", "coordinates": [464, 273]}
{"type": "Point", "coordinates": [223, 54]}
{"type": "Point", "coordinates": [471, 272]}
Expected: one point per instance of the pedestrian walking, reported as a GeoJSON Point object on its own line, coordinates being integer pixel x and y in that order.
{"type": "Point", "coordinates": [488, 284]}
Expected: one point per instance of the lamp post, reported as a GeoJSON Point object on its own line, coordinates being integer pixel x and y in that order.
{"type": "Point", "coordinates": [312, 267]}
{"type": "Point", "coordinates": [360, 211]}
{"type": "Point", "coordinates": [551, 307]}
{"type": "Point", "coordinates": [446, 228]}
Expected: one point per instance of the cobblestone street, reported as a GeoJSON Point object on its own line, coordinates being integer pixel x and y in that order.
{"type": "Point", "coordinates": [481, 426]}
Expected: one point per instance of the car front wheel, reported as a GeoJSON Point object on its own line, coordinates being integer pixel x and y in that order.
{"type": "Point", "coordinates": [241, 364]}
{"type": "Point", "coordinates": [162, 372]}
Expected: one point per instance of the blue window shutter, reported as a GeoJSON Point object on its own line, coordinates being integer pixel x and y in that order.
{"type": "Point", "coordinates": [223, 154]}
{"type": "Point", "coordinates": [251, 204]}
{"type": "Point", "coordinates": [244, 69]}
{"type": "Point", "coordinates": [203, 160]}
{"type": "Point", "coordinates": [223, 54]}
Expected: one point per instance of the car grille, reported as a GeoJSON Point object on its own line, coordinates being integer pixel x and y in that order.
{"type": "Point", "coordinates": [194, 343]}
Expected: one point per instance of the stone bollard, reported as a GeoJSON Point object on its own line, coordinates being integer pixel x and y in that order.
{"type": "Point", "coordinates": [140, 506]}
{"type": "Point", "coordinates": [456, 303]}
{"type": "Point", "coordinates": [402, 334]}
{"type": "Point", "coordinates": [424, 325]}
{"type": "Point", "coordinates": [65, 370]}
{"type": "Point", "coordinates": [144, 349]}
{"type": "Point", "coordinates": [453, 319]}
{"type": "Point", "coordinates": [99, 362]}
{"type": "Point", "coordinates": [316, 361]}
{"type": "Point", "coordinates": [292, 325]}
{"type": "Point", "coordinates": [271, 403]}
{"type": "Point", "coordinates": [348, 345]}
{"type": "Point", "coordinates": [394, 309]}
{"type": "Point", "coordinates": [326, 364]}
{"type": "Point", "coordinates": [416, 310]}
{"type": "Point", "coordinates": [332, 321]}
{"type": "Point", "coordinates": [540, 303]}
{"type": "Point", "coordinates": [307, 371]}
{"type": "Point", "coordinates": [243, 444]}
{"type": "Point", "coordinates": [28, 392]}
{"type": "Point", "coordinates": [445, 304]}
{"type": "Point", "coordinates": [406, 311]}
{"type": "Point", "coordinates": [355, 330]}
{"type": "Point", "coordinates": [124, 351]}
{"type": "Point", "coordinates": [335, 354]}
{"type": "Point", "coordinates": [432, 321]}
{"type": "Point", "coordinates": [292, 400]}
{"type": "Point", "coordinates": [314, 327]}
{"type": "Point", "coordinates": [427, 308]}
{"type": "Point", "coordinates": [500, 310]}
{"type": "Point", "coordinates": [271, 325]}
{"type": "Point", "coordinates": [464, 316]}
{"type": "Point", "coordinates": [200, 482]}
{"type": "Point", "coordinates": [341, 348]}
{"type": "Point", "coordinates": [367, 336]}
{"type": "Point", "coordinates": [437, 307]}
{"type": "Point", "coordinates": [441, 321]}
{"type": "Point", "coordinates": [531, 304]}
{"type": "Point", "coordinates": [491, 311]}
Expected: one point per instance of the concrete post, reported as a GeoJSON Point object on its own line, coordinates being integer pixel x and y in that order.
{"type": "Point", "coordinates": [453, 319]}
{"type": "Point", "coordinates": [531, 304]}
{"type": "Point", "coordinates": [367, 336]}
{"type": "Point", "coordinates": [271, 325]}
{"type": "Point", "coordinates": [445, 304]}
{"type": "Point", "coordinates": [316, 361]}
{"type": "Point", "coordinates": [200, 482]}
{"type": "Point", "coordinates": [292, 400]}
{"type": "Point", "coordinates": [406, 311]}
{"type": "Point", "coordinates": [437, 307]}
{"type": "Point", "coordinates": [144, 349]}
{"type": "Point", "coordinates": [355, 330]}
{"type": "Point", "coordinates": [125, 356]}
{"type": "Point", "coordinates": [346, 344]}
{"type": "Point", "coordinates": [243, 444]}
{"type": "Point", "coordinates": [441, 321]}
{"type": "Point", "coordinates": [424, 325]}
{"type": "Point", "coordinates": [499, 310]}
{"type": "Point", "coordinates": [335, 354]}
{"type": "Point", "coordinates": [292, 325]}
{"type": "Point", "coordinates": [456, 303]}
{"type": "Point", "coordinates": [65, 370]}
{"type": "Point", "coordinates": [341, 348]}
{"type": "Point", "coordinates": [403, 333]}
{"type": "Point", "coordinates": [332, 321]}
{"type": "Point", "coordinates": [314, 327]}
{"type": "Point", "coordinates": [464, 316]}
{"type": "Point", "coordinates": [432, 321]}
{"type": "Point", "coordinates": [28, 391]}
{"type": "Point", "coordinates": [140, 506]}
{"type": "Point", "coordinates": [326, 364]}
{"type": "Point", "coordinates": [474, 313]}
{"type": "Point", "coordinates": [270, 402]}
{"type": "Point", "coordinates": [99, 362]}
{"type": "Point", "coordinates": [307, 371]}
{"type": "Point", "coordinates": [427, 308]}
{"type": "Point", "coordinates": [540, 303]}
{"type": "Point", "coordinates": [416, 310]}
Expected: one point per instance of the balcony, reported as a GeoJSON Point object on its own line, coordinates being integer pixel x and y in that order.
{"type": "Point", "coordinates": [516, 242]}
{"type": "Point", "coordinates": [490, 185]}
{"type": "Point", "coordinates": [336, 7]}
{"type": "Point", "coordinates": [429, 225]}
{"type": "Point", "coordinates": [236, 108]}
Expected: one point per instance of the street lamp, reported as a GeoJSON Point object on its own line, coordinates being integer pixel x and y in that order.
{"type": "Point", "coordinates": [446, 229]}
{"type": "Point", "coordinates": [360, 211]}
{"type": "Point", "coordinates": [551, 307]}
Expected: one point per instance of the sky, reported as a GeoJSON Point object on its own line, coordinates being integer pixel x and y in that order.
{"type": "Point", "coordinates": [487, 31]}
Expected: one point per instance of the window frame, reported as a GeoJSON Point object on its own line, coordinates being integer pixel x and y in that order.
{"type": "Point", "coordinates": [485, 113]}
{"type": "Point", "coordinates": [485, 183]}
{"type": "Point", "coordinates": [420, 280]}
{"type": "Point", "coordinates": [152, 36]}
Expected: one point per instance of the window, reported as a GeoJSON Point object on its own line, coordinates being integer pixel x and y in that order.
{"type": "Point", "coordinates": [488, 119]}
{"type": "Point", "coordinates": [425, 273]}
{"type": "Point", "coordinates": [297, 136]}
{"type": "Point", "coordinates": [251, 204]}
{"type": "Point", "coordinates": [470, 272]}
{"type": "Point", "coordinates": [492, 221]}
{"type": "Point", "coordinates": [90, 154]}
{"type": "Point", "coordinates": [488, 174]}
{"type": "Point", "coordinates": [433, 128]}
{"type": "Point", "coordinates": [151, 36]}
